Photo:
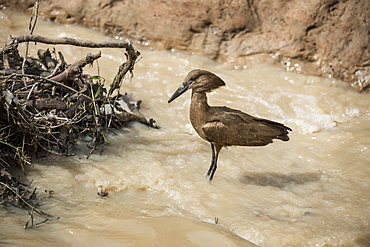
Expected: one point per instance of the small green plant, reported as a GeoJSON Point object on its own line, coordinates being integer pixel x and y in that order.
{"type": "Point", "coordinates": [19, 154]}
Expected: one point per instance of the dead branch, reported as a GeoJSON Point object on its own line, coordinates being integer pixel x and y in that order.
{"type": "Point", "coordinates": [46, 105]}
{"type": "Point", "coordinates": [76, 68]}
{"type": "Point", "coordinates": [12, 42]}
{"type": "Point", "coordinates": [69, 41]}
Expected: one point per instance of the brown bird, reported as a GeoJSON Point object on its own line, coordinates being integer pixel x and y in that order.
{"type": "Point", "coordinates": [222, 126]}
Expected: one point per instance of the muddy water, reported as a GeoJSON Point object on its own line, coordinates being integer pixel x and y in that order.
{"type": "Point", "coordinates": [310, 191]}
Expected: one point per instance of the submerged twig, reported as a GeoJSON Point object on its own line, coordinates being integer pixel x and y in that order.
{"type": "Point", "coordinates": [27, 205]}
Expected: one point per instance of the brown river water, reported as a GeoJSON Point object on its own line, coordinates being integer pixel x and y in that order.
{"type": "Point", "coordinates": [310, 191]}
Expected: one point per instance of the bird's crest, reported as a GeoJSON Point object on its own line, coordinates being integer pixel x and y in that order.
{"type": "Point", "coordinates": [203, 81]}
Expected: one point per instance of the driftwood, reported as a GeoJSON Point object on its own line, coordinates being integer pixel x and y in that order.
{"type": "Point", "coordinates": [47, 105]}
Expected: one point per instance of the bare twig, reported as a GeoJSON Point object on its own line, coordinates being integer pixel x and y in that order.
{"type": "Point", "coordinates": [126, 67]}
{"type": "Point", "coordinates": [51, 82]}
{"type": "Point", "coordinates": [70, 41]}
{"type": "Point", "coordinates": [31, 28]}
{"type": "Point", "coordinates": [76, 67]}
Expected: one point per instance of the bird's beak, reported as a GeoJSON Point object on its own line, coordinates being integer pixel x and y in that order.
{"type": "Point", "coordinates": [182, 89]}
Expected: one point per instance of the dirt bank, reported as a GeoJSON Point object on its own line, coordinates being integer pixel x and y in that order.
{"type": "Point", "coordinates": [317, 37]}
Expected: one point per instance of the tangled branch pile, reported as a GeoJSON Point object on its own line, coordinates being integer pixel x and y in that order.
{"type": "Point", "coordinates": [46, 104]}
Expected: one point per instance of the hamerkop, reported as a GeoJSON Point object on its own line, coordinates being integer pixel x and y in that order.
{"type": "Point", "coordinates": [222, 126]}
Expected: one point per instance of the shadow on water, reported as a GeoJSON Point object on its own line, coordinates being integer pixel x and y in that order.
{"type": "Point", "coordinates": [279, 180]}
{"type": "Point", "coordinates": [363, 240]}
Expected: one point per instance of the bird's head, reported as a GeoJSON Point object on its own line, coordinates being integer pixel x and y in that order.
{"type": "Point", "coordinates": [200, 81]}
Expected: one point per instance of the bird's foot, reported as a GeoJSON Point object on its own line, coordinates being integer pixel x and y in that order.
{"type": "Point", "coordinates": [209, 178]}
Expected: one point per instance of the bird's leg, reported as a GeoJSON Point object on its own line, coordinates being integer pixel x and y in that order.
{"type": "Point", "coordinates": [213, 159]}
{"type": "Point", "coordinates": [213, 167]}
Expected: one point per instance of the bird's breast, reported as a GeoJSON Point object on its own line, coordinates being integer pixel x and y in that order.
{"type": "Point", "coordinates": [198, 115]}
{"type": "Point", "coordinates": [197, 119]}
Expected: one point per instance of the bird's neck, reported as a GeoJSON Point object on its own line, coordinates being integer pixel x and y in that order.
{"type": "Point", "coordinates": [198, 111]}
{"type": "Point", "coordinates": [199, 101]}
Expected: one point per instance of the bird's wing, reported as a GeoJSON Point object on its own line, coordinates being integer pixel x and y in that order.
{"type": "Point", "coordinates": [232, 127]}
